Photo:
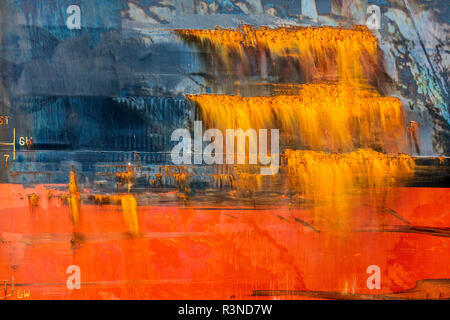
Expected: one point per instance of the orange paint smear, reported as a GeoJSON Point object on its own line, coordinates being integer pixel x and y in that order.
{"type": "Point", "coordinates": [220, 253]}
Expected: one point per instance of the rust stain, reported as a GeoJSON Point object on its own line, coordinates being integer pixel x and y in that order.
{"type": "Point", "coordinates": [74, 197]}
{"type": "Point", "coordinates": [325, 117]}
{"type": "Point", "coordinates": [33, 200]}
{"type": "Point", "coordinates": [348, 55]}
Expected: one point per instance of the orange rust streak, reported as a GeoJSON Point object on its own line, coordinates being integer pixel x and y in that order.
{"type": "Point", "coordinates": [128, 205]}
{"type": "Point", "coordinates": [321, 116]}
{"type": "Point", "coordinates": [332, 179]}
{"type": "Point", "coordinates": [318, 49]}
{"type": "Point", "coordinates": [74, 197]}
{"type": "Point", "coordinates": [322, 175]}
